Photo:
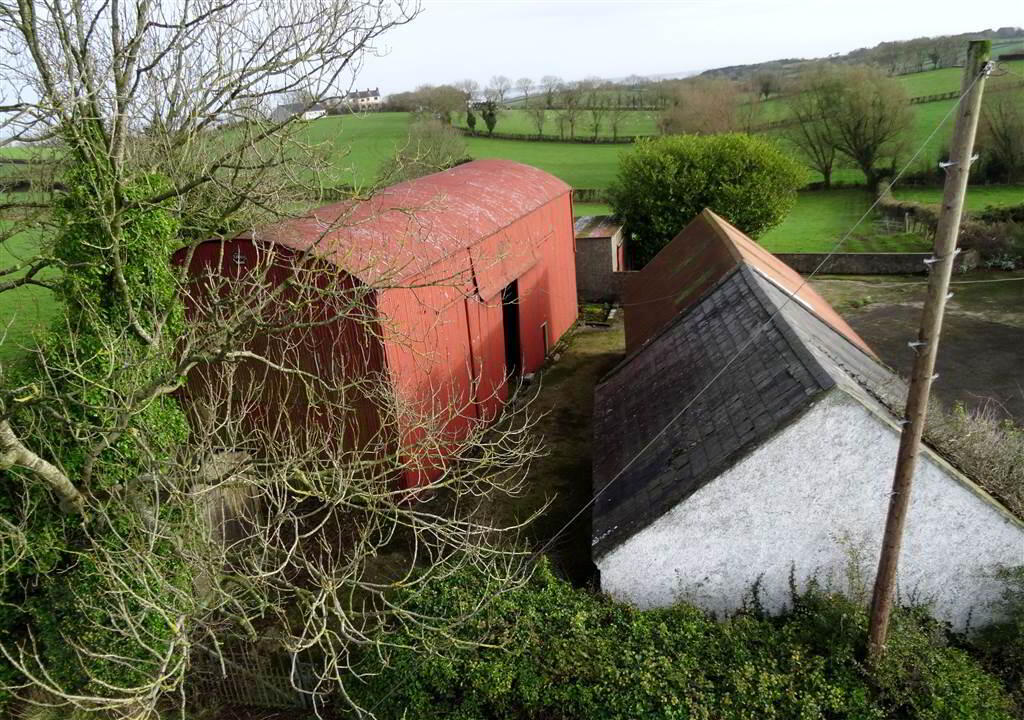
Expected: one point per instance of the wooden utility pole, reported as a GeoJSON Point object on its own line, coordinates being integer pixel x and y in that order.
{"type": "Point", "coordinates": [927, 344]}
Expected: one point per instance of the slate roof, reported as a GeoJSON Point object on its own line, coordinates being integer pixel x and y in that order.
{"type": "Point", "coordinates": [703, 253]}
{"type": "Point", "coordinates": [363, 94]}
{"type": "Point", "coordinates": [794, 358]}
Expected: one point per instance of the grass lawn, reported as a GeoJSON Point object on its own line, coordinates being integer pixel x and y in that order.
{"type": "Point", "coordinates": [933, 82]}
{"type": "Point", "coordinates": [978, 196]}
{"type": "Point", "coordinates": [581, 209]}
{"type": "Point", "coordinates": [26, 308]}
{"type": "Point", "coordinates": [565, 407]}
{"type": "Point", "coordinates": [579, 164]}
{"type": "Point", "coordinates": [358, 143]}
{"type": "Point", "coordinates": [822, 217]}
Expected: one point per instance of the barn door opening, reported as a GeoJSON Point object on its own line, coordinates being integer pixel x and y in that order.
{"type": "Point", "coordinates": [510, 323]}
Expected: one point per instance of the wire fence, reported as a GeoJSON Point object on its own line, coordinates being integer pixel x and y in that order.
{"type": "Point", "coordinates": [249, 676]}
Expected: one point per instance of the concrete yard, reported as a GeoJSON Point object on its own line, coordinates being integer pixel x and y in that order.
{"type": "Point", "coordinates": [981, 356]}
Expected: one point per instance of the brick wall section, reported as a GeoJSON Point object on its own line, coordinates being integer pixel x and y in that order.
{"type": "Point", "coordinates": [871, 263]}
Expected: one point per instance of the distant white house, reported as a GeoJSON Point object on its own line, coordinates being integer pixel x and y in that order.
{"type": "Point", "coordinates": [363, 100]}
{"type": "Point", "coordinates": [299, 110]}
{"type": "Point", "coordinates": [721, 464]}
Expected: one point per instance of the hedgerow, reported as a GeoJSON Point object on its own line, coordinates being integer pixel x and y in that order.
{"type": "Point", "coordinates": [548, 650]}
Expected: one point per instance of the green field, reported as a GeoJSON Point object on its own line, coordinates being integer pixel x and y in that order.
{"type": "Point", "coordinates": [26, 307]}
{"type": "Point", "coordinates": [579, 164]}
{"type": "Point", "coordinates": [519, 122]}
{"type": "Point", "coordinates": [581, 209]}
{"type": "Point", "coordinates": [821, 218]}
{"type": "Point", "coordinates": [978, 196]}
{"type": "Point", "coordinates": [357, 144]}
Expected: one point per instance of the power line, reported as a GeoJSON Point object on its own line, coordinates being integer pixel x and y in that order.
{"type": "Point", "coordinates": [749, 341]}
{"type": "Point", "coordinates": [925, 282]}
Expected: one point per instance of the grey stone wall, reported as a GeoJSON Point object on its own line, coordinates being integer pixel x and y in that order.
{"type": "Point", "coordinates": [871, 263]}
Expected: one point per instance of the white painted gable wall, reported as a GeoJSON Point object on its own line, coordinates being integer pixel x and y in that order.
{"type": "Point", "coordinates": [809, 495]}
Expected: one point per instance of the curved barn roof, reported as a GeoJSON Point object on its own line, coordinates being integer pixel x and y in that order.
{"type": "Point", "coordinates": [404, 230]}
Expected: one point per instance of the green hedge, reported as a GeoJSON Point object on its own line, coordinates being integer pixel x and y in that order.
{"type": "Point", "coordinates": [551, 651]}
{"type": "Point", "coordinates": [663, 184]}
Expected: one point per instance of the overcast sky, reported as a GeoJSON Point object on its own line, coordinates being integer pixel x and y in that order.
{"type": "Point", "coordinates": [455, 39]}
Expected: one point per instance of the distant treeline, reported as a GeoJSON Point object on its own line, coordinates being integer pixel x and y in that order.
{"type": "Point", "coordinates": [896, 57]}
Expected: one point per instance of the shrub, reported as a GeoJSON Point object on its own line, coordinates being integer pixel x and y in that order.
{"type": "Point", "coordinates": [664, 182]}
{"type": "Point", "coordinates": [987, 447]}
{"type": "Point", "coordinates": [1002, 645]}
{"type": "Point", "coordinates": [550, 651]}
{"type": "Point", "coordinates": [431, 146]}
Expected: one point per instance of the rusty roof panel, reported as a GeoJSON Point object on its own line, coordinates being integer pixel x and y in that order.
{"type": "Point", "coordinates": [596, 226]}
{"type": "Point", "coordinates": [404, 230]}
{"type": "Point", "coordinates": [704, 252]}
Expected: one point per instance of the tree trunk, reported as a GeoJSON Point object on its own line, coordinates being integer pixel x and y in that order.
{"type": "Point", "coordinates": [13, 453]}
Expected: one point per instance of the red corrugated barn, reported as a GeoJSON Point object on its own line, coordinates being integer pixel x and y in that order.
{"type": "Point", "coordinates": [471, 276]}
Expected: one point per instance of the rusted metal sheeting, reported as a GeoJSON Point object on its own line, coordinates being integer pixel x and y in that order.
{"type": "Point", "coordinates": [490, 391]}
{"type": "Point", "coordinates": [445, 345]}
{"type": "Point", "coordinates": [345, 347]}
{"type": "Point", "coordinates": [703, 253]}
{"type": "Point", "coordinates": [403, 230]}
{"type": "Point", "coordinates": [503, 257]}
{"type": "Point", "coordinates": [430, 361]}
{"type": "Point", "coordinates": [438, 252]}
{"type": "Point", "coordinates": [674, 279]}
{"type": "Point", "coordinates": [547, 293]}
{"type": "Point", "coordinates": [596, 226]}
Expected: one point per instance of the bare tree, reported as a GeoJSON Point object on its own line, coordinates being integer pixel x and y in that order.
{"type": "Point", "coordinates": [499, 86]}
{"type": "Point", "coordinates": [524, 85]}
{"type": "Point", "coordinates": [1001, 132]}
{"type": "Point", "coordinates": [596, 106]}
{"type": "Point", "coordinates": [570, 96]}
{"type": "Point", "coordinates": [766, 83]}
{"type": "Point", "coordinates": [138, 548]}
{"type": "Point", "coordinates": [440, 101]}
{"type": "Point", "coordinates": [430, 146]}
{"type": "Point", "coordinates": [704, 106]}
{"type": "Point", "coordinates": [813, 105]}
{"type": "Point", "coordinates": [470, 87]}
{"type": "Point", "coordinates": [617, 113]}
{"type": "Point", "coordinates": [538, 112]}
{"type": "Point", "coordinates": [550, 85]}
{"type": "Point", "coordinates": [870, 120]}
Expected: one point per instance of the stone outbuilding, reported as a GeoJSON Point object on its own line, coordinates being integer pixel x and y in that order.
{"type": "Point", "coordinates": [601, 261]}
{"type": "Point", "coordinates": [750, 439]}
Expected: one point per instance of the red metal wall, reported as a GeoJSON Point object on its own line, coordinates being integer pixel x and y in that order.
{"type": "Point", "coordinates": [346, 346]}
{"type": "Point", "coordinates": [445, 339]}
{"type": "Point", "coordinates": [547, 291]}
{"type": "Point", "coordinates": [442, 334]}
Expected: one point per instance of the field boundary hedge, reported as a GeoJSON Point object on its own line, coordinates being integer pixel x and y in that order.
{"type": "Point", "coordinates": [600, 140]}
